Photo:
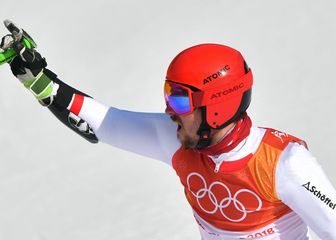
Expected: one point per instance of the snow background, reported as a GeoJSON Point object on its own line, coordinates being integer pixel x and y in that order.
{"type": "Point", "coordinates": [54, 185]}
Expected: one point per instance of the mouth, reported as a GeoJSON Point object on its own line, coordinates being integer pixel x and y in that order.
{"type": "Point", "coordinates": [176, 120]}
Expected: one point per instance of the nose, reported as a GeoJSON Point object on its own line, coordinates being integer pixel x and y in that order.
{"type": "Point", "coordinates": [169, 110]}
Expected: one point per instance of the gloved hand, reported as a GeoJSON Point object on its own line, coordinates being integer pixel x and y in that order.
{"type": "Point", "coordinates": [28, 64]}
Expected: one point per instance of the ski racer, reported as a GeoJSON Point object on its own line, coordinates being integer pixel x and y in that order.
{"type": "Point", "coordinates": [241, 181]}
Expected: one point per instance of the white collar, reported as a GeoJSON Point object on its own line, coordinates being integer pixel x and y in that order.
{"type": "Point", "coordinates": [244, 148]}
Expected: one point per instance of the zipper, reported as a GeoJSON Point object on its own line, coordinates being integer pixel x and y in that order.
{"type": "Point", "coordinates": [217, 168]}
{"type": "Point", "coordinates": [217, 165]}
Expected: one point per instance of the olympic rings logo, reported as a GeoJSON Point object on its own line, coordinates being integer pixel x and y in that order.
{"type": "Point", "coordinates": [221, 204]}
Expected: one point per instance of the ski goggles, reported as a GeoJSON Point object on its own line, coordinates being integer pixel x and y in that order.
{"type": "Point", "coordinates": [182, 99]}
{"type": "Point", "coordinates": [178, 97]}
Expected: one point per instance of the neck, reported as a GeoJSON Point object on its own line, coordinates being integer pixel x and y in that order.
{"type": "Point", "coordinates": [226, 139]}
{"type": "Point", "coordinates": [218, 135]}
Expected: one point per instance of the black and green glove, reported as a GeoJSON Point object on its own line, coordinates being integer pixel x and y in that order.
{"type": "Point", "coordinates": [18, 49]}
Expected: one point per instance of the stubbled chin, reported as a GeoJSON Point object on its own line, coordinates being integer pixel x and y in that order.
{"type": "Point", "coordinates": [187, 141]}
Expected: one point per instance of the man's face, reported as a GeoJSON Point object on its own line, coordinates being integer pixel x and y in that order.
{"type": "Point", "coordinates": [188, 126]}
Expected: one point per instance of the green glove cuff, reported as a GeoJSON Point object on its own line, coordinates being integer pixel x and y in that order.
{"type": "Point", "coordinates": [41, 86]}
{"type": "Point", "coordinates": [9, 54]}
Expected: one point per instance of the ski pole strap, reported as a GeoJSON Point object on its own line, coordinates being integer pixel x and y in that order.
{"type": "Point", "coordinates": [41, 86]}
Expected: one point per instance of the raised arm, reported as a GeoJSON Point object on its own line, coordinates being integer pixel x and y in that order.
{"type": "Point", "coordinates": [30, 68]}
{"type": "Point", "coordinates": [148, 134]}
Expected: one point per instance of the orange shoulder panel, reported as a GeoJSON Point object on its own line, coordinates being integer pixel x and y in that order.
{"type": "Point", "coordinates": [263, 163]}
{"type": "Point", "coordinates": [279, 139]}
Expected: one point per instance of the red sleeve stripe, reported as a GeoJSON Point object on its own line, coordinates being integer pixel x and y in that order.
{"type": "Point", "coordinates": [77, 104]}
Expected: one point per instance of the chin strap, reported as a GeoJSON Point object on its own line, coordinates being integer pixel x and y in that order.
{"type": "Point", "coordinates": [204, 132]}
{"type": "Point", "coordinates": [240, 131]}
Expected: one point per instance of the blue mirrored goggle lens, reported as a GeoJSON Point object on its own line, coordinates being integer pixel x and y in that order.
{"type": "Point", "coordinates": [180, 104]}
{"type": "Point", "coordinates": [177, 98]}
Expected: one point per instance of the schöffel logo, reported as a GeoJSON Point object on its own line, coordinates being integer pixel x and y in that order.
{"type": "Point", "coordinates": [227, 91]}
{"type": "Point", "coordinates": [319, 195]}
{"type": "Point", "coordinates": [215, 75]}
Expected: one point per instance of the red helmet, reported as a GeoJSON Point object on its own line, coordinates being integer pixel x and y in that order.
{"type": "Point", "coordinates": [212, 77]}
